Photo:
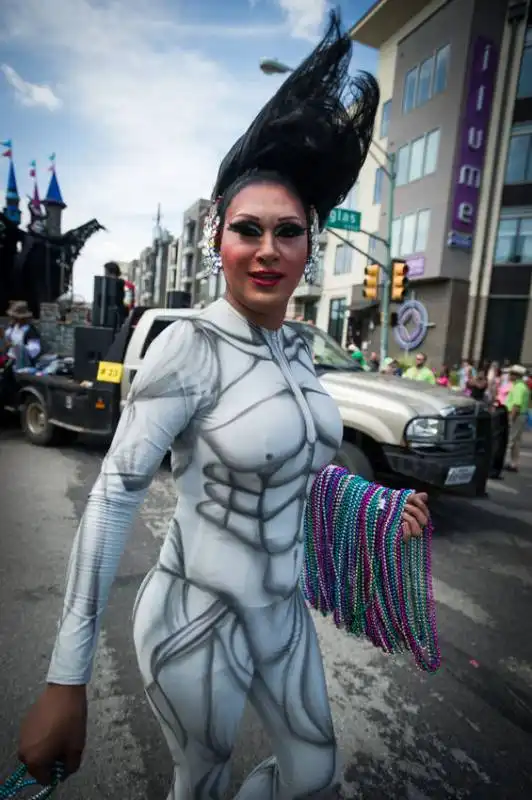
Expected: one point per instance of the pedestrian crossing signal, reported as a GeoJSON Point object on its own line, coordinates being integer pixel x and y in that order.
{"type": "Point", "coordinates": [399, 281]}
{"type": "Point", "coordinates": [370, 289]}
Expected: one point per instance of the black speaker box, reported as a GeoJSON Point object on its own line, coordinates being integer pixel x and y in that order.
{"type": "Point", "coordinates": [177, 299]}
{"type": "Point", "coordinates": [108, 309]}
{"type": "Point", "coordinates": [91, 345]}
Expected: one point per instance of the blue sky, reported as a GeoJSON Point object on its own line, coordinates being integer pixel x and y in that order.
{"type": "Point", "coordinates": [140, 99]}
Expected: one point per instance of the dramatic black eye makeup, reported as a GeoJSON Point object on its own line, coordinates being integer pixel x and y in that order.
{"type": "Point", "coordinates": [289, 230]}
{"type": "Point", "coordinates": [285, 230]}
{"type": "Point", "coordinates": [245, 227]}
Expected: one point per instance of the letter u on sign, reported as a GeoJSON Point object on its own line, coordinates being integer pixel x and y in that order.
{"type": "Point", "coordinates": [475, 138]}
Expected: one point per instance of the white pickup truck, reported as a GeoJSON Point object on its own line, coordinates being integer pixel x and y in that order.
{"type": "Point", "coordinates": [404, 432]}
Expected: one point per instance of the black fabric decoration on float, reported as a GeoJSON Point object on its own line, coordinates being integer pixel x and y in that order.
{"type": "Point", "coordinates": [313, 135]}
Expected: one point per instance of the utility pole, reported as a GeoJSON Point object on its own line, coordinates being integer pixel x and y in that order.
{"type": "Point", "coordinates": [387, 271]}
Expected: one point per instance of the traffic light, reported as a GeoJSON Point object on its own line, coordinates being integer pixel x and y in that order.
{"type": "Point", "coordinates": [399, 281]}
{"type": "Point", "coordinates": [371, 282]}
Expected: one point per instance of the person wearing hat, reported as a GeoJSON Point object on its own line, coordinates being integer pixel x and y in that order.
{"type": "Point", "coordinates": [22, 337]}
{"type": "Point", "coordinates": [517, 403]}
{"type": "Point", "coordinates": [358, 355]}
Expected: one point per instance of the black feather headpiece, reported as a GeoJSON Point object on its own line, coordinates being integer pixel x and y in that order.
{"type": "Point", "coordinates": [314, 133]}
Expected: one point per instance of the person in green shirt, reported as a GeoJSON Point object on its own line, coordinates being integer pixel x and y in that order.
{"type": "Point", "coordinates": [517, 403]}
{"type": "Point", "coordinates": [419, 371]}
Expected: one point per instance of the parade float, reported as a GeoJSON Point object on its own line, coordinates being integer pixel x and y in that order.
{"type": "Point", "coordinates": [36, 263]}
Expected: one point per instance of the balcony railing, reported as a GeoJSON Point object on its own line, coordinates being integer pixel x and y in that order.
{"type": "Point", "coordinates": [304, 289]}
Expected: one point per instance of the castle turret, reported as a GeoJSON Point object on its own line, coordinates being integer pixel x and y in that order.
{"type": "Point", "coordinates": [54, 205]}
{"type": "Point", "coordinates": [11, 208]}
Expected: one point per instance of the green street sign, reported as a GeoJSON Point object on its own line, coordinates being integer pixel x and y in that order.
{"type": "Point", "coordinates": [344, 220]}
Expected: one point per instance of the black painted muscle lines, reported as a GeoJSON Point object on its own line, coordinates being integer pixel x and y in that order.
{"type": "Point", "coordinates": [221, 617]}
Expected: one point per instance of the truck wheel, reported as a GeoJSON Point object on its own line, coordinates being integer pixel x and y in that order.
{"type": "Point", "coordinates": [35, 423]}
{"type": "Point", "coordinates": [353, 459]}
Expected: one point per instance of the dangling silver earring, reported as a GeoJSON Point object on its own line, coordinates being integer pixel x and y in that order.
{"type": "Point", "coordinates": [211, 259]}
{"type": "Point", "coordinates": [311, 267]}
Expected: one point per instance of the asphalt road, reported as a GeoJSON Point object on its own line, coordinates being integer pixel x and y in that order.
{"type": "Point", "coordinates": [465, 732]}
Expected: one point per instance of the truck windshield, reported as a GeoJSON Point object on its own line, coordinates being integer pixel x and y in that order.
{"type": "Point", "coordinates": [326, 353]}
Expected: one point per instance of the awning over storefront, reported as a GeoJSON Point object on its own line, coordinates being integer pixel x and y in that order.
{"type": "Point", "coordinates": [360, 306]}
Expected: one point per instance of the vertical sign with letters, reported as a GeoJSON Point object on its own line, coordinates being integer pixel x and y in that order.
{"type": "Point", "coordinates": [473, 134]}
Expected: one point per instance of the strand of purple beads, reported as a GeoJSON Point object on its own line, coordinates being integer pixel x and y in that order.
{"type": "Point", "coordinates": [358, 568]}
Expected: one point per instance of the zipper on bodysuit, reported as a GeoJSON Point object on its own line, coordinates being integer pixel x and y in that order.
{"type": "Point", "coordinates": [273, 339]}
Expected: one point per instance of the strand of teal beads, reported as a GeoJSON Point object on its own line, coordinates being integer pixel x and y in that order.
{"type": "Point", "coordinates": [358, 568]}
{"type": "Point", "coordinates": [18, 782]}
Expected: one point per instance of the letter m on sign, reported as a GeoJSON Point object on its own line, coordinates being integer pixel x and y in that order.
{"type": "Point", "coordinates": [470, 176]}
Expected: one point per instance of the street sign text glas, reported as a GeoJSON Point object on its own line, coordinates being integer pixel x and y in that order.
{"type": "Point", "coordinates": [345, 220]}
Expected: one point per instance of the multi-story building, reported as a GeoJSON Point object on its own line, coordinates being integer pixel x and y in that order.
{"type": "Point", "coordinates": [190, 274]}
{"type": "Point", "coordinates": [172, 274]}
{"type": "Point", "coordinates": [456, 112]}
{"type": "Point", "coordinates": [161, 248]}
{"type": "Point", "coordinates": [340, 268]}
{"type": "Point", "coordinates": [150, 271]}
{"type": "Point", "coordinates": [499, 318]}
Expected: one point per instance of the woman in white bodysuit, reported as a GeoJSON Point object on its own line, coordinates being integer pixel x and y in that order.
{"type": "Point", "coordinates": [232, 391]}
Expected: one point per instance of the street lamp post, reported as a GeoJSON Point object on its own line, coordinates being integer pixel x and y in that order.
{"type": "Point", "coordinates": [270, 66]}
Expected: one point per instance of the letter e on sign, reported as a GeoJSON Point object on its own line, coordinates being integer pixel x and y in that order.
{"type": "Point", "coordinates": [465, 213]}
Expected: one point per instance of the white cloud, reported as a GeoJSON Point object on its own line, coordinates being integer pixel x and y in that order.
{"type": "Point", "coordinates": [304, 17]}
{"type": "Point", "coordinates": [31, 94]}
{"type": "Point", "coordinates": [151, 116]}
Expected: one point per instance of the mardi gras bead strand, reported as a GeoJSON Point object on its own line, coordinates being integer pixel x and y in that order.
{"type": "Point", "coordinates": [18, 781]}
{"type": "Point", "coordinates": [358, 568]}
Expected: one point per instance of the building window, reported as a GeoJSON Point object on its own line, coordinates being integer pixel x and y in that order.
{"type": "Point", "coordinates": [187, 265]}
{"type": "Point", "coordinates": [441, 69]}
{"type": "Point", "coordinates": [337, 310]}
{"type": "Point", "coordinates": [418, 158]}
{"type": "Point", "coordinates": [432, 145]}
{"type": "Point", "coordinates": [410, 233]}
{"type": "Point", "coordinates": [372, 250]}
{"type": "Point", "coordinates": [514, 240]}
{"type": "Point", "coordinates": [190, 232]}
{"type": "Point", "coordinates": [417, 150]}
{"type": "Point", "coordinates": [519, 164]}
{"type": "Point", "coordinates": [427, 79]}
{"type": "Point", "coordinates": [342, 259]}
{"type": "Point", "coordinates": [401, 167]}
{"type": "Point", "coordinates": [422, 231]}
{"type": "Point", "coordinates": [396, 237]}
{"type": "Point", "coordinates": [385, 119]}
{"type": "Point", "coordinates": [377, 189]}
{"type": "Point", "coordinates": [524, 87]}
{"type": "Point", "coordinates": [424, 84]}
{"type": "Point", "coordinates": [409, 94]}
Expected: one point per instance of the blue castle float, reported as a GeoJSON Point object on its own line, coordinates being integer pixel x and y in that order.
{"type": "Point", "coordinates": [36, 264]}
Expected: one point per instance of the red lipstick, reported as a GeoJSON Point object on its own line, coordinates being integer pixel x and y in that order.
{"type": "Point", "coordinates": [266, 278]}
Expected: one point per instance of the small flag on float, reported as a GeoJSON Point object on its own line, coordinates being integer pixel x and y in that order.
{"type": "Point", "coordinates": [51, 159]}
{"type": "Point", "coordinates": [33, 169]}
{"type": "Point", "coordinates": [8, 154]}
{"type": "Point", "coordinates": [8, 143]}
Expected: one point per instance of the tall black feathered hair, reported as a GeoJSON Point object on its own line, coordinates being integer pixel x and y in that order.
{"type": "Point", "coordinates": [314, 134]}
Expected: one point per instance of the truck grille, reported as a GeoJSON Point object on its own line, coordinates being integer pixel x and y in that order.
{"type": "Point", "coordinates": [464, 428]}
{"type": "Point", "coordinates": [461, 430]}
